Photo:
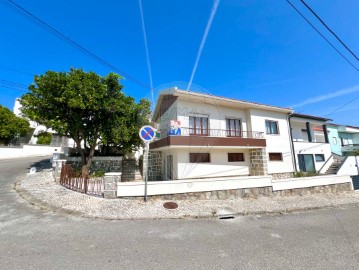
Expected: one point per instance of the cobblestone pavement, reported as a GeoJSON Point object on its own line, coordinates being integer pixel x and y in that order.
{"type": "Point", "coordinates": [41, 190]}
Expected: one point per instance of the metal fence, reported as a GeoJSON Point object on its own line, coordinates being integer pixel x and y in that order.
{"type": "Point", "coordinates": [70, 180]}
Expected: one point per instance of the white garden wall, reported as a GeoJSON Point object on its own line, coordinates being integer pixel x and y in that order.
{"type": "Point", "coordinates": [27, 151]}
{"type": "Point", "coordinates": [350, 166]}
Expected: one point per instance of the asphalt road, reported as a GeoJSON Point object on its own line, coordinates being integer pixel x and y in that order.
{"type": "Point", "coordinates": [31, 238]}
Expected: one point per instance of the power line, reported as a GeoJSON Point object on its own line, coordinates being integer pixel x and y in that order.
{"type": "Point", "coordinates": [22, 11]}
{"type": "Point", "coordinates": [341, 107]}
{"type": "Point", "coordinates": [330, 30]}
{"type": "Point", "coordinates": [13, 83]}
{"type": "Point", "coordinates": [322, 35]}
{"type": "Point", "coordinates": [16, 70]}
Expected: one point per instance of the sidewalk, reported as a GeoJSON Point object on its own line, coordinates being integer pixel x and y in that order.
{"type": "Point", "coordinates": [39, 189]}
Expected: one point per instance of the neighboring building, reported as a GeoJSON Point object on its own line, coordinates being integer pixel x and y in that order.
{"type": "Point", "coordinates": [210, 136]}
{"type": "Point", "coordinates": [310, 142]}
{"type": "Point", "coordinates": [345, 139]}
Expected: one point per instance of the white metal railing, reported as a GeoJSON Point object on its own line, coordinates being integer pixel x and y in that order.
{"type": "Point", "coordinates": [185, 131]}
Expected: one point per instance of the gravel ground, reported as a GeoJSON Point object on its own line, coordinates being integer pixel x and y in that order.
{"type": "Point", "coordinates": [40, 189]}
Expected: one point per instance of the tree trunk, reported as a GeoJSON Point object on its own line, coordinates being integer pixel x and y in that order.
{"type": "Point", "coordinates": [81, 151]}
{"type": "Point", "coordinates": [86, 168]}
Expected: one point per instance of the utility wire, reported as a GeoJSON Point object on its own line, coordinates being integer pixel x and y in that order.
{"type": "Point", "coordinates": [344, 105]}
{"type": "Point", "coordinates": [330, 30]}
{"type": "Point", "coordinates": [16, 70]}
{"type": "Point", "coordinates": [322, 35]}
{"type": "Point", "coordinates": [22, 11]}
{"type": "Point", "coordinates": [13, 83]}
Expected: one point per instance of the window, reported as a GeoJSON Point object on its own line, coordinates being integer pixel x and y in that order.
{"type": "Point", "coordinates": [271, 127]}
{"type": "Point", "coordinates": [335, 140]}
{"type": "Point", "coordinates": [233, 127]}
{"type": "Point", "coordinates": [198, 125]}
{"type": "Point", "coordinates": [233, 157]}
{"type": "Point", "coordinates": [319, 158]}
{"type": "Point", "coordinates": [275, 156]}
{"type": "Point", "coordinates": [199, 158]}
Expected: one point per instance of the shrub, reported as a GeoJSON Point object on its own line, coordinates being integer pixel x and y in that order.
{"type": "Point", "coordinates": [305, 174]}
{"type": "Point", "coordinates": [44, 138]}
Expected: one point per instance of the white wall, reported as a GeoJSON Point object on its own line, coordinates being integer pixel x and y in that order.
{"type": "Point", "coordinates": [27, 151]}
{"type": "Point", "coordinates": [276, 143]}
{"type": "Point", "coordinates": [313, 148]}
{"type": "Point", "coordinates": [304, 182]}
{"type": "Point", "coordinates": [184, 186]}
{"type": "Point", "coordinates": [216, 114]}
{"type": "Point", "coordinates": [219, 165]}
{"type": "Point", "coordinates": [128, 189]}
{"type": "Point", "coordinates": [350, 166]}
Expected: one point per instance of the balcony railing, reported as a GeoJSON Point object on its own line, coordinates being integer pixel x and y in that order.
{"type": "Point", "coordinates": [185, 131]}
{"type": "Point", "coordinates": [350, 147]}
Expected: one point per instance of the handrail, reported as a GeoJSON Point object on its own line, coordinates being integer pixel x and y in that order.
{"type": "Point", "coordinates": [325, 163]}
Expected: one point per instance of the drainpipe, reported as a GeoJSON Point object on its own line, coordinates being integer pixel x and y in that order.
{"type": "Point", "coordinates": [309, 132]}
{"type": "Point", "coordinates": [325, 134]}
{"type": "Point", "coordinates": [292, 143]}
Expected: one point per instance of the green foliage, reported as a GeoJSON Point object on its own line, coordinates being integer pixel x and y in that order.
{"type": "Point", "coordinates": [44, 138]}
{"type": "Point", "coordinates": [11, 126]}
{"type": "Point", "coordinates": [99, 173]}
{"type": "Point", "coordinates": [86, 107]}
{"type": "Point", "coordinates": [305, 174]}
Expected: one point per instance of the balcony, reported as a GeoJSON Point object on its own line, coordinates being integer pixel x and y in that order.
{"type": "Point", "coordinates": [190, 137]}
{"type": "Point", "coordinates": [350, 147]}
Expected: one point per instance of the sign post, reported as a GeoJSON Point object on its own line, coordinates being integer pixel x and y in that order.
{"type": "Point", "coordinates": [147, 134]}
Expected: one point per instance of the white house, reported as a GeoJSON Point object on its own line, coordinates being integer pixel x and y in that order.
{"type": "Point", "coordinates": [210, 136]}
{"type": "Point", "coordinates": [312, 151]}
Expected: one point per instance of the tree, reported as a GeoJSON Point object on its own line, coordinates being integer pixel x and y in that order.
{"type": "Point", "coordinates": [11, 126]}
{"type": "Point", "coordinates": [83, 106]}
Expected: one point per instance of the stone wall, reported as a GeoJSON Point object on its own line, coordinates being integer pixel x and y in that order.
{"type": "Point", "coordinates": [250, 193]}
{"type": "Point", "coordinates": [258, 162]}
{"type": "Point", "coordinates": [276, 176]}
{"type": "Point", "coordinates": [107, 164]}
{"type": "Point", "coordinates": [155, 166]}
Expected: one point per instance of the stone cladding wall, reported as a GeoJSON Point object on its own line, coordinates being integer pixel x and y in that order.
{"type": "Point", "coordinates": [258, 162]}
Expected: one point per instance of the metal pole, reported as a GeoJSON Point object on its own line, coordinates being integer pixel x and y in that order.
{"type": "Point", "coordinates": [146, 168]}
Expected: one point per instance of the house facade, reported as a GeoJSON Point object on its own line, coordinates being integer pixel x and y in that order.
{"type": "Point", "coordinates": [209, 136]}
{"type": "Point", "coordinates": [344, 140]}
{"type": "Point", "coordinates": [310, 142]}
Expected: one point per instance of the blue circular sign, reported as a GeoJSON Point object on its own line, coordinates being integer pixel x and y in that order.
{"type": "Point", "coordinates": [147, 133]}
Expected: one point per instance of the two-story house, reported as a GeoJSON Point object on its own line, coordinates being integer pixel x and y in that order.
{"type": "Point", "coordinates": [211, 136]}
{"type": "Point", "coordinates": [310, 142]}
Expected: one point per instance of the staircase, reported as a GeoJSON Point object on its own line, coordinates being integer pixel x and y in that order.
{"type": "Point", "coordinates": [337, 163]}
{"type": "Point", "coordinates": [131, 170]}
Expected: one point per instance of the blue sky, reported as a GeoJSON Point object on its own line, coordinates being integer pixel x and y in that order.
{"type": "Point", "coordinates": [256, 50]}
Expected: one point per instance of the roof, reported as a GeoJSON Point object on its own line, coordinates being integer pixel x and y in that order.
{"type": "Point", "coordinates": [220, 100]}
{"type": "Point", "coordinates": [307, 116]}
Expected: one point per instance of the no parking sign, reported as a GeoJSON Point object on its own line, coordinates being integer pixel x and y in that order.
{"type": "Point", "coordinates": [147, 133]}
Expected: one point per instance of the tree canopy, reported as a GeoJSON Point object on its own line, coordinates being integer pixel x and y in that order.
{"type": "Point", "coordinates": [11, 126]}
{"type": "Point", "coordinates": [86, 107]}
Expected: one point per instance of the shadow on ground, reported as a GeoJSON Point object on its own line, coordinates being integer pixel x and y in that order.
{"type": "Point", "coordinates": [42, 165]}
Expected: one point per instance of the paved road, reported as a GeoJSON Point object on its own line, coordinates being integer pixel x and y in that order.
{"type": "Point", "coordinates": [31, 238]}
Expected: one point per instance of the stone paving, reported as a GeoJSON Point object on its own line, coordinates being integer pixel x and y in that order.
{"type": "Point", "coordinates": [41, 190]}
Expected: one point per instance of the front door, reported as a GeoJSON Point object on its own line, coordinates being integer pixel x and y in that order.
{"type": "Point", "coordinates": [306, 163]}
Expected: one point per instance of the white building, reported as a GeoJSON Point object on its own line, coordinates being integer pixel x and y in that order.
{"type": "Point", "coordinates": [209, 136]}
{"type": "Point", "coordinates": [310, 142]}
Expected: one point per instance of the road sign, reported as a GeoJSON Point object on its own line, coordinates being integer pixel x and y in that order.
{"type": "Point", "coordinates": [147, 133]}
